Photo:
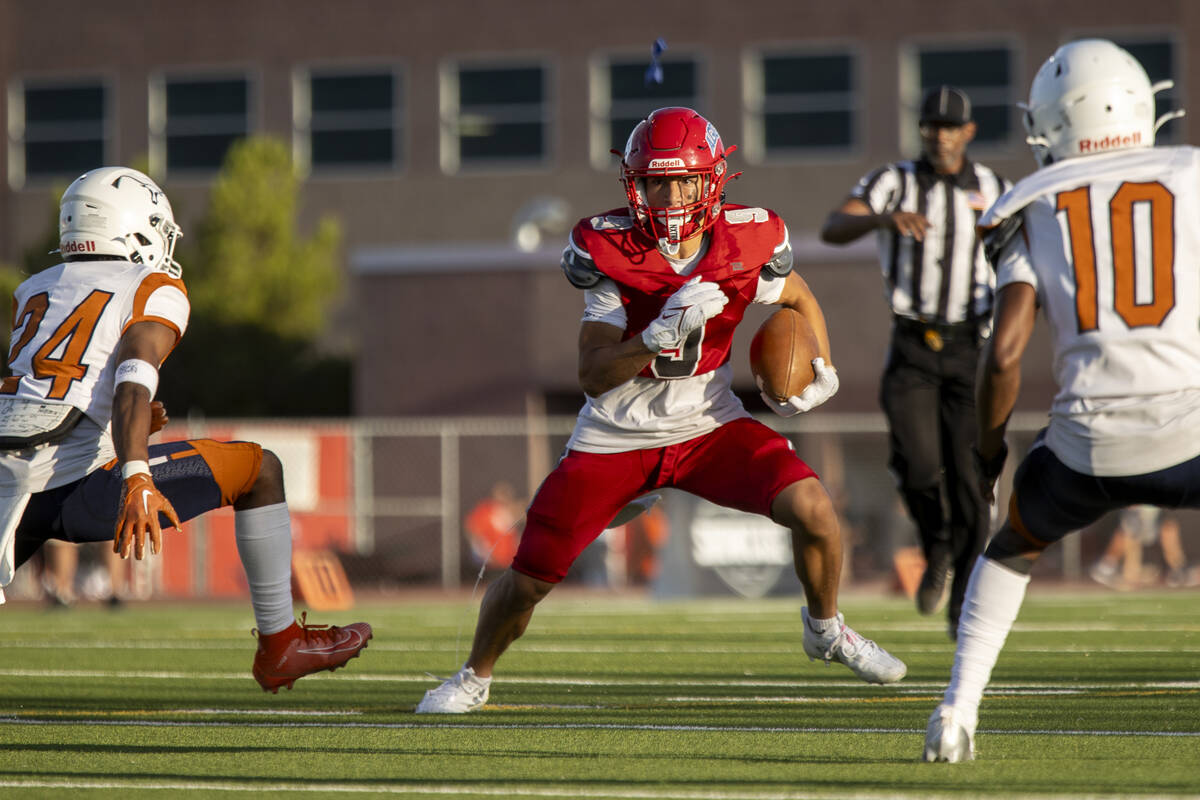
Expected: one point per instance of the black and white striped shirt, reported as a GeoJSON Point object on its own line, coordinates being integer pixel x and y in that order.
{"type": "Point", "coordinates": [945, 278]}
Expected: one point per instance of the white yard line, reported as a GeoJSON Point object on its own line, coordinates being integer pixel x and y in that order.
{"type": "Point", "coordinates": [477, 789]}
{"type": "Point", "coordinates": [573, 726]}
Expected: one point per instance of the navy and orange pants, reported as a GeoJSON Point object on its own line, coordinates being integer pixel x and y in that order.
{"type": "Point", "coordinates": [196, 475]}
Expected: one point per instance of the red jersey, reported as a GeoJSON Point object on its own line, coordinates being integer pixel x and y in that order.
{"type": "Point", "coordinates": [742, 242]}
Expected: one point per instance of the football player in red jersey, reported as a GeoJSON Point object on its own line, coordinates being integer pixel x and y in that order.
{"type": "Point", "coordinates": [666, 280]}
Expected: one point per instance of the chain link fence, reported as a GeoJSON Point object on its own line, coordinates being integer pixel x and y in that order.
{"type": "Point", "coordinates": [430, 502]}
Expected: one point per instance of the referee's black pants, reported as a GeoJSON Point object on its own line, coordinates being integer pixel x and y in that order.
{"type": "Point", "coordinates": [928, 397]}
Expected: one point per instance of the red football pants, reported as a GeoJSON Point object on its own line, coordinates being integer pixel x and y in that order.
{"type": "Point", "coordinates": [742, 464]}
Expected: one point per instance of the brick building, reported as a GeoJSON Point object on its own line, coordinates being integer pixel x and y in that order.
{"type": "Point", "coordinates": [443, 133]}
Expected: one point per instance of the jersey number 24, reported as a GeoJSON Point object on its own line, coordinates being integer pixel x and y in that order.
{"type": "Point", "coordinates": [70, 338]}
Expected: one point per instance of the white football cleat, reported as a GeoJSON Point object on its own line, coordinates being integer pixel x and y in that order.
{"type": "Point", "coordinates": [865, 659]}
{"type": "Point", "coordinates": [949, 736]}
{"type": "Point", "coordinates": [462, 693]}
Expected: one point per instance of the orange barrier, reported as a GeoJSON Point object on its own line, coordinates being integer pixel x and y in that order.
{"type": "Point", "coordinates": [320, 582]}
{"type": "Point", "coordinates": [910, 566]}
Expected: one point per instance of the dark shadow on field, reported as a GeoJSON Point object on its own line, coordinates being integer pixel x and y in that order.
{"type": "Point", "coordinates": [521, 784]}
{"type": "Point", "coordinates": [431, 752]}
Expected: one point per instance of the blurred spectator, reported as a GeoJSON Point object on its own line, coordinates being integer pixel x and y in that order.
{"type": "Point", "coordinates": [1138, 527]}
{"type": "Point", "coordinates": [626, 552]}
{"type": "Point", "coordinates": [494, 527]}
{"type": "Point", "coordinates": [645, 537]}
{"type": "Point", "coordinates": [104, 577]}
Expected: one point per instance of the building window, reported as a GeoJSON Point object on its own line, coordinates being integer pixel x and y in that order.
{"type": "Point", "coordinates": [801, 104]}
{"type": "Point", "coordinates": [622, 97]}
{"type": "Point", "coordinates": [348, 119]}
{"type": "Point", "coordinates": [985, 74]}
{"type": "Point", "coordinates": [195, 120]}
{"type": "Point", "coordinates": [59, 130]}
{"type": "Point", "coordinates": [494, 117]}
{"type": "Point", "coordinates": [1158, 59]}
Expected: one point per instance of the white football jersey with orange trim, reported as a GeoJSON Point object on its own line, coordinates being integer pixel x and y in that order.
{"type": "Point", "coordinates": [1111, 243]}
{"type": "Point", "coordinates": [68, 320]}
{"type": "Point", "coordinates": [67, 323]}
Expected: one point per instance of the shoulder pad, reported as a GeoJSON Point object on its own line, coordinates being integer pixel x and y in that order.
{"type": "Point", "coordinates": [611, 222]}
{"type": "Point", "coordinates": [580, 270]}
{"type": "Point", "coordinates": [781, 263]}
{"type": "Point", "coordinates": [997, 238]}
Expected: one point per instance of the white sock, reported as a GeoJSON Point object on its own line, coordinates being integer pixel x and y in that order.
{"type": "Point", "coordinates": [993, 599]}
{"type": "Point", "coordinates": [824, 627]}
{"type": "Point", "coordinates": [264, 543]}
{"type": "Point", "coordinates": [472, 676]}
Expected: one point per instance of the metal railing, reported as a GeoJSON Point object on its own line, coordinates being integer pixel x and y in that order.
{"type": "Point", "coordinates": [447, 506]}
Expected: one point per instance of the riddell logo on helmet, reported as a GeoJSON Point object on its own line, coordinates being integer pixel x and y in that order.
{"type": "Point", "coordinates": [1110, 142]}
{"type": "Point", "coordinates": [88, 246]}
{"type": "Point", "coordinates": [666, 163]}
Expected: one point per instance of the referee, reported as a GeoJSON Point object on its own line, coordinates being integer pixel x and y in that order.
{"type": "Point", "coordinates": [939, 287]}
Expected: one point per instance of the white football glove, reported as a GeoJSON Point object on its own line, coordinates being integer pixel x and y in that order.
{"type": "Point", "coordinates": [823, 387]}
{"type": "Point", "coordinates": [693, 304]}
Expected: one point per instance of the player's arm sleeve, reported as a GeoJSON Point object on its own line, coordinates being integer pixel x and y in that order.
{"type": "Point", "coordinates": [1012, 261]}
{"type": "Point", "coordinates": [163, 299]}
{"type": "Point", "coordinates": [603, 304]}
{"type": "Point", "coordinates": [578, 266]}
{"type": "Point", "coordinates": [999, 237]}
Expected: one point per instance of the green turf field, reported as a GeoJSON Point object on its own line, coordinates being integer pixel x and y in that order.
{"type": "Point", "coordinates": [1096, 694]}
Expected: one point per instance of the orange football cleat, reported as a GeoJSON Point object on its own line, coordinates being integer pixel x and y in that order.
{"type": "Point", "coordinates": [302, 649]}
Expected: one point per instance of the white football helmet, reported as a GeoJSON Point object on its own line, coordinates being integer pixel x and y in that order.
{"type": "Point", "coordinates": [1090, 97]}
{"type": "Point", "coordinates": [118, 211]}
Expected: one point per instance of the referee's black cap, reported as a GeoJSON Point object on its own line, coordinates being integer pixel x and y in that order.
{"type": "Point", "coordinates": [947, 105]}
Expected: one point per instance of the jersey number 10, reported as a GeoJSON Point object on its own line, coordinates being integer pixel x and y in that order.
{"type": "Point", "coordinates": [1160, 204]}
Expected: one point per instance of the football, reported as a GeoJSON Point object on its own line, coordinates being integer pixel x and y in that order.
{"type": "Point", "coordinates": [781, 354]}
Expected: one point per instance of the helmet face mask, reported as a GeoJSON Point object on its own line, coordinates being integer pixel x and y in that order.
{"type": "Point", "coordinates": [674, 222]}
{"type": "Point", "coordinates": [1090, 97]}
{"type": "Point", "coordinates": [675, 142]}
{"type": "Point", "coordinates": [120, 212]}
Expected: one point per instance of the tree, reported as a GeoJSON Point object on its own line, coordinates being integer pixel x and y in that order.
{"type": "Point", "coordinates": [249, 264]}
{"type": "Point", "coordinates": [35, 258]}
{"type": "Point", "coordinates": [260, 294]}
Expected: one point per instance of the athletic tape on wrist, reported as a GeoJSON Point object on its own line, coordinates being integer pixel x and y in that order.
{"type": "Point", "coordinates": [135, 370]}
{"type": "Point", "coordinates": [131, 468]}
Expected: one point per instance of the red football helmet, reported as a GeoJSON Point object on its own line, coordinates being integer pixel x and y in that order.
{"type": "Point", "coordinates": [675, 141]}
